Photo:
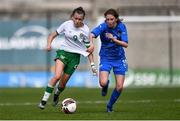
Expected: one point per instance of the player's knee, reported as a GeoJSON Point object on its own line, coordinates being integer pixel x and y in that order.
{"type": "Point", "coordinates": [119, 87]}
{"type": "Point", "coordinates": [102, 83]}
{"type": "Point", "coordinates": [57, 77]}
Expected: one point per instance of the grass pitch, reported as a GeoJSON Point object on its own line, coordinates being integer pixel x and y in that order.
{"type": "Point", "coordinates": [134, 103]}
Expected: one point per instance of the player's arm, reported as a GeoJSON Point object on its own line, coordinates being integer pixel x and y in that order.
{"type": "Point", "coordinates": [123, 40]}
{"type": "Point", "coordinates": [94, 34]}
{"type": "Point", "coordinates": [50, 39]}
{"type": "Point", "coordinates": [119, 42]}
{"type": "Point", "coordinates": [91, 60]}
{"type": "Point", "coordinates": [90, 49]}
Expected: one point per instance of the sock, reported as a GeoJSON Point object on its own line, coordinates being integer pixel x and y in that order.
{"type": "Point", "coordinates": [47, 93]}
{"type": "Point", "coordinates": [114, 96]}
{"type": "Point", "coordinates": [107, 84]}
{"type": "Point", "coordinates": [59, 90]}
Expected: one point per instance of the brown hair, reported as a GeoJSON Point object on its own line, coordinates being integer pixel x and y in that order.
{"type": "Point", "coordinates": [78, 10]}
{"type": "Point", "coordinates": [112, 12]}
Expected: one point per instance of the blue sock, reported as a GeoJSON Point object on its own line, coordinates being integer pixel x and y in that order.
{"type": "Point", "coordinates": [114, 96]}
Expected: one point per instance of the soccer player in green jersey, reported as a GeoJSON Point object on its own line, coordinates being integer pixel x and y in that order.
{"type": "Point", "coordinates": [75, 43]}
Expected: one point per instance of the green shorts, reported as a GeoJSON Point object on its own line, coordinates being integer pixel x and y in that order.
{"type": "Point", "coordinates": [70, 60]}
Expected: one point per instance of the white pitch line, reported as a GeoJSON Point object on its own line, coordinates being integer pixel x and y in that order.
{"type": "Point", "coordinates": [18, 104]}
{"type": "Point", "coordinates": [84, 102]}
{"type": "Point", "coordinates": [177, 100]}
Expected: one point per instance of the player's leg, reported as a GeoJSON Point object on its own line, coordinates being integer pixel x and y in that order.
{"type": "Point", "coordinates": [60, 88]}
{"type": "Point", "coordinates": [59, 66]}
{"type": "Point", "coordinates": [72, 60]}
{"type": "Point", "coordinates": [104, 82]}
{"type": "Point", "coordinates": [105, 68]}
{"type": "Point", "coordinates": [116, 92]}
{"type": "Point", "coordinates": [119, 67]}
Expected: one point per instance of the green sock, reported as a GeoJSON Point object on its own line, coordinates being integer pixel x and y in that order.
{"type": "Point", "coordinates": [49, 89]}
{"type": "Point", "coordinates": [47, 93]}
{"type": "Point", "coordinates": [59, 90]}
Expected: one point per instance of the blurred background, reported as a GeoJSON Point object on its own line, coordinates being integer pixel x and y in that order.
{"type": "Point", "coordinates": [153, 29]}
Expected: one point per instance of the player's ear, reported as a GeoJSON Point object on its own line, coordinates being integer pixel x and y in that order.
{"type": "Point", "coordinates": [117, 20]}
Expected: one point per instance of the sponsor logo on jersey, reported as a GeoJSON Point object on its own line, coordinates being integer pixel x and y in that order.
{"type": "Point", "coordinates": [62, 57]}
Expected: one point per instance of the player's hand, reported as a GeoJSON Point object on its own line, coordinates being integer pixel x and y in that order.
{"type": "Point", "coordinates": [109, 35]}
{"type": "Point", "coordinates": [94, 69]}
{"type": "Point", "coordinates": [90, 49]}
{"type": "Point", "coordinates": [48, 48]}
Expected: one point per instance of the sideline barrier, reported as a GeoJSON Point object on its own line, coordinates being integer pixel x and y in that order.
{"type": "Point", "coordinates": [86, 79]}
{"type": "Point", "coordinates": [40, 79]}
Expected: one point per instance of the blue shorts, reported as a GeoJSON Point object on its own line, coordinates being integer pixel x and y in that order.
{"type": "Point", "coordinates": [118, 66]}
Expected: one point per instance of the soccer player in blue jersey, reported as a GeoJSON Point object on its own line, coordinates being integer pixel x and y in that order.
{"type": "Point", "coordinates": [114, 39]}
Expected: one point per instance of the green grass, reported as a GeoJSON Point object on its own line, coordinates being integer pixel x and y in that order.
{"type": "Point", "coordinates": [134, 103]}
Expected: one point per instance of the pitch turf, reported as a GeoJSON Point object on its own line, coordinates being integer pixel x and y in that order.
{"type": "Point", "coordinates": [134, 103]}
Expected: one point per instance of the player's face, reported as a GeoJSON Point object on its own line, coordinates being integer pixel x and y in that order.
{"type": "Point", "coordinates": [78, 19]}
{"type": "Point", "coordinates": [111, 21]}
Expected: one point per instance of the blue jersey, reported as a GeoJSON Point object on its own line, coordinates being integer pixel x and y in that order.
{"type": "Point", "coordinates": [109, 49]}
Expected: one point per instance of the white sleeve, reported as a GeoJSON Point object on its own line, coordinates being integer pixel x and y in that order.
{"type": "Point", "coordinates": [87, 32]}
{"type": "Point", "coordinates": [86, 38]}
{"type": "Point", "coordinates": [61, 28]}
